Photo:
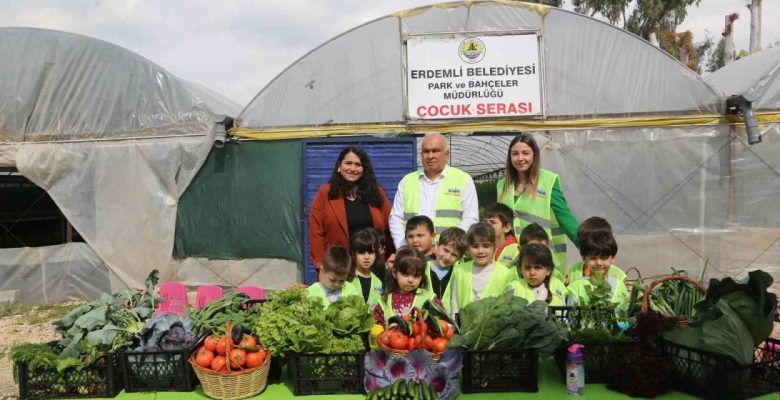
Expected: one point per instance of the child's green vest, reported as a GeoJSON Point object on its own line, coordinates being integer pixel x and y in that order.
{"type": "Point", "coordinates": [420, 297]}
{"type": "Point", "coordinates": [536, 208]}
{"type": "Point", "coordinates": [614, 271]}
{"type": "Point", "coordinates": [463, 276]}
{"type": "Point", "coordinates": [374, 293]}
{"type": "Point", "coordinates": [446, 299]}
{"type": "Point", "coordinates": [577, 292]}
{"type": "Point", "coordinates": [508, 255]}
{"type": "Point", "coordinates": [347, 289]}
{"type": "Point", "coordinates": [448, 208]}
{"type": "Point", "coordinates": [522, 289]}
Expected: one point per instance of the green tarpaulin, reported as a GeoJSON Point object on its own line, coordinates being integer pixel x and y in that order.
{"type": "Point", "coordinates": [244, 203]}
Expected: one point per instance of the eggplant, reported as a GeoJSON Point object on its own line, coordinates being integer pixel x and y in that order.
{"type": "Point", "coordinates": [433, 324]}
{"type": "Point", "coordinates": [440, 313]}
{"type": "Point", "coordinates": [237, 333]}
{"type": "Point", "coordinates": [401, 322]}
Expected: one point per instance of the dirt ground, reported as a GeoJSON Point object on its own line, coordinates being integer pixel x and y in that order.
{"type": "Point", "coordinates": [21, 324]}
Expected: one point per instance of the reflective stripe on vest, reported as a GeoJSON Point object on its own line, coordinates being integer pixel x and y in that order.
{"type": "Point", "coordinates": [419, 300]}
{"type": "Point", "coordinates": [448, 211]}
{"type": "Point", "coordinates": [537, 208]}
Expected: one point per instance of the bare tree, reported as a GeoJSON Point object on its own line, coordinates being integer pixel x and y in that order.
{"type": "Point", "coordinates": [728, 39]}
{"type": "Point", "coordinates": [755, 25]}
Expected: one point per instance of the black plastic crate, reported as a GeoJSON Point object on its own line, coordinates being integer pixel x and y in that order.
{"type": "Point", "coordinates": [640, 371]}
{"type": "Point", "coordinates": [101, 379]}
{"type": "Point", "coordinates": [158, 371]}
{"type": "Point", "coordinates": [600, 358]}
{"type": "Point", "coordinates": [716, 376]}
{"type": "Point", "coordinates": [319, 373]}
{"type": "Point", "coordinates": [500, 371]}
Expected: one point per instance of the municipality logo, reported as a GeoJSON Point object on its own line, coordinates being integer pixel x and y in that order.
{"type": "Point", "coordinates": [472, 50]}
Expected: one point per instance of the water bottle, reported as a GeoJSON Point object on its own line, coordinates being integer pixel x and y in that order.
{"type": "Point", "coordinates": [575, 369]}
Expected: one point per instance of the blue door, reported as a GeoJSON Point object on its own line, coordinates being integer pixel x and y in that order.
{"type": "Point", "coordinates": [391, 158]}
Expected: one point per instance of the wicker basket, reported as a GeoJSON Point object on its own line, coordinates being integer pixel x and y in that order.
{"type": "Point", "coordinates": [233, 385]}
{"type": "Point", "coordinates": [402, 353]}
{"type": "Point", "coordinates": [680, 320]}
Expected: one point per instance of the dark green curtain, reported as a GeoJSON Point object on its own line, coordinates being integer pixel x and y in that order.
{"type": "Point", "coordinates": [244, 203]}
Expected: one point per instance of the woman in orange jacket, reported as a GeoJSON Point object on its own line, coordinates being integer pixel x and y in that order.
{"type": "Point", "coordinates": [350, 201]}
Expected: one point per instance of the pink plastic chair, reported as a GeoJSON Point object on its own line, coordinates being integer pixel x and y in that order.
{"type": "Point", "coordinates": [174, 296]}
{"type": "Point", "coordinates": [206, 295]}
{"type": "Point", "coordinates": [253, 292]}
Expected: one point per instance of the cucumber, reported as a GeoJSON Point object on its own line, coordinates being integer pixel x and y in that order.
{"type": "Point", "coordinates": [395, 388]}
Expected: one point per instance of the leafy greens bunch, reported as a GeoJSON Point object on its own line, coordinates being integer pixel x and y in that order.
{"type": "Point", "coordinates": [508, 322]}
{"type": "Point", "coordinates": [293, 321]}
{"type": "Point", "coordinates": [733, 318]}
{"type": "Point", "coordinates": [216, 314]}
{"type": "Point", "coordinates": [108, 323]}
{"type": "Point", "coordinates": [595, 320]}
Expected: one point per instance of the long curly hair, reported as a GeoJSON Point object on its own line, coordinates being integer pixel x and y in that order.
{"type": "Point", "coordinates": [511, 174]}
{"type": "Point", "coordinates": [367, 186]}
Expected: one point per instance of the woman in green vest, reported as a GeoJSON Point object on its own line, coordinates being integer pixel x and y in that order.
{"type": "Point", "coordinates": [534, 195]}
{"type": "Point", "coordinates": [535, 270]}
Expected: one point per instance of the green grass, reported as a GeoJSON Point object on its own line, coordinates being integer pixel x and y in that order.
{"type": "Point", "coordinates": [36, 315]}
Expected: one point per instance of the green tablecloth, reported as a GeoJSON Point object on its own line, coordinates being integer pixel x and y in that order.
{"type": "Point", "coordinates": [551, 387]}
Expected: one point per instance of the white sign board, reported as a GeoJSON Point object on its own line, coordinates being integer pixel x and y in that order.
{"type": "Point", "coordinates": [473, 77]}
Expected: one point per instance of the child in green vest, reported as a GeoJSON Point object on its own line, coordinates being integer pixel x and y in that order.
{"type": "Point", "coordinates": [535, 234]}
{"type": "Point", "coordinates": [535, 268]}
{"type": "Point", "coordinates": [499, 216]}
{"type": "Point", "coordinates": [420, 235]}
{"type": "Point", "coordinates": [336, 270]}
{"type": "Point", "coordinates": [438, 273]}
{"type": "Point", "coordinates": [589, 227]}
{"type": "Point", "coordinates": [406, 289]}
{"type": "Point", "coordinates": [479, 277]}
{"type": "Point", "coordinates": [368, 264]}
{"type": "Point", "coordinates": [598, 251]}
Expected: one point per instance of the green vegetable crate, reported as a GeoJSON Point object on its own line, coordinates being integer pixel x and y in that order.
{"type": "Point", "coordinates": [716, 376]}
{"type": "Point", "coordinates": [500, 371]}
{"type": "Point", "coordinates": [158, 371]}
{"type": "Point", "coordinates": [101, 379]}
{"type": "Point", "coordinates": [320, 373]}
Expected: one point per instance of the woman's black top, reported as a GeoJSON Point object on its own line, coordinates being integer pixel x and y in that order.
{"type": "Point", "coordinates": [358, 215]}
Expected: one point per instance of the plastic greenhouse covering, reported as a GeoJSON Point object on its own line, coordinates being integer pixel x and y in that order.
{"type": "Point", "coordinates": [635, 135]}
{"type": "Point", "coordinates": [757, 78]}
{"type": "Point", "coordinates": [115, 140]}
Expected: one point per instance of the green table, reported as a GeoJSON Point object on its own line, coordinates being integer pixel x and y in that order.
{"type": "Point", "coordinates": [551, 387]}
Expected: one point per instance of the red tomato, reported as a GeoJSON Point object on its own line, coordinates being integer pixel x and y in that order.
{"type": "Point", "coordinates": [211, 343]}
{"type": "Point", "coordinates": [384, 337]}
{"type": "Point", "coordinates": [254, 359]}
{"type": "Point", "coordinates": [450, 333]}
{"type": "Point", "coordinates": [237, 358]}
{"type": "Point", "coordinates": [248, 341]}
{"type": "Point", "coordinates": [439, 345]}
{"type": "Point", "coordinates": [399, 342]}
{"type": "Point", "coordinates": [219, 364]}
{"type": "Point", "coordinates": [221, 345]}
{"type": "Point", "coordinates": [204, 357]}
